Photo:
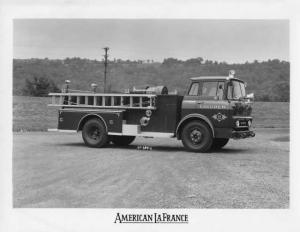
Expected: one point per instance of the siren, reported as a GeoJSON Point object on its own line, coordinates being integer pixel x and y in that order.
{"type": "Point", "coordinates": [231, 73]}
{"type": "Point", "coordinates": [94, 87]}
{"type": "Point", "coordinates": [65, 88]}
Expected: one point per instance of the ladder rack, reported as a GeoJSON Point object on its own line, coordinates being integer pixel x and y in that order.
{"type": "Point", "coordinates": [103, 100]}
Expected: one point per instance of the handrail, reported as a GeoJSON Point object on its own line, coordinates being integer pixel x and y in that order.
{"type": "Point", "coordinates": [103, 94]}
{"type": "Point", "coordinates": [104, 100]}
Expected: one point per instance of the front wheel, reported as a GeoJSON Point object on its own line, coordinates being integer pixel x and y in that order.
{"type": "Point", "coordinates": [122, 140]}
{"type": "Point", "coordinates": [197, 136]}
{"type": "Point", "coordinates": [94, 133]}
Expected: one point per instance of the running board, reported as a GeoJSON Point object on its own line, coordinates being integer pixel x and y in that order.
{"type": "Point", "coordinates": [146, 134]}
{"type": "Point", "coordinates": [57, 130]}
{"type": "Point", "coordinates": [138, 134]}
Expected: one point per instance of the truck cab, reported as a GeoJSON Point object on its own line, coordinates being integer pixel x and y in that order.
{"type": "Point", "coordinates": [217, 108]}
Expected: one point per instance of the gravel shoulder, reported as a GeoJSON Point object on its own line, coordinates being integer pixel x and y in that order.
{"type": "Point", "coordinates": [57, 170]}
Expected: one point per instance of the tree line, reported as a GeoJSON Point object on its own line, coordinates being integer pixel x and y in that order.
{"type": "Point", "coordinates": [269, 80]}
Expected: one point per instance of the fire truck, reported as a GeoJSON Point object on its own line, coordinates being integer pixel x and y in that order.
{"type": "Point", "coordinates": [213, 110]}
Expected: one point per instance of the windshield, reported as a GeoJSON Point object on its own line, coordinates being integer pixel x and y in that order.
{"type": "Point", "coordinates": [236, 90]}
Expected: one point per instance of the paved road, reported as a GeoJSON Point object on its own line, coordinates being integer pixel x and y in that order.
{"type": "Point", "coordinates": [57, 170]}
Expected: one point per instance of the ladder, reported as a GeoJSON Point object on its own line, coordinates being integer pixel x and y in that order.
{"type": "Point", "coordinates": [103, 100]}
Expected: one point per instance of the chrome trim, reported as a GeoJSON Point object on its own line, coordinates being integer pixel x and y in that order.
{"type": "Point", "coordinates": [114, 133]}
{"type": "Point", "coordinates": [242, 117]}
{"type": "Point", "coordinates": [189, 101]}
{"type": "Point", "coordinates": [145, 134]}
{"type": "Point", "coordinates": [104, 107]}
{"type": "Point", "coordinates": [104, 94]}
{"type": "Point", "coordinates": [91, 110]}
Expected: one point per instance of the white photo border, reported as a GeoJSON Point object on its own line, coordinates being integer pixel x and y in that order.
{"type": "Point", "coordinates": [13, 219]}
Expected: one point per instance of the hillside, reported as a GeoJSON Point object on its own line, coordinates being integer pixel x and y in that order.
{"type": "Point", "coordinates": [269, 80]}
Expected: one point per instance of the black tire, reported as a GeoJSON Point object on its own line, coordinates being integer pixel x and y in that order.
{"type": "Point", "coordinates": [218, 143]}
{"type": "Point", "coordinates": [197, 136]}
{"type": "Point", "coordinates": [122, 140]}
{"type": "Point", "coordinates": [94, 133]}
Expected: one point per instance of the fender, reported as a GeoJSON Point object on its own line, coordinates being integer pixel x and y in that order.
{"type": "Point", "coordinates": [90, 115]}
{"type": "Point", "coordinates": [199, 116]}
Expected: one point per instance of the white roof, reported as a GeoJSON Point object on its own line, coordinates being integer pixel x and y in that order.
{"type": "Point", "coordinates": [214, 78]}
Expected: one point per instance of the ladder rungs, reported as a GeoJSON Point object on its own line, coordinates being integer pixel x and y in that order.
{"type": "Point", "coordinates": [105, 107]}
{"type": "Point", "coordinates": [132, 101]}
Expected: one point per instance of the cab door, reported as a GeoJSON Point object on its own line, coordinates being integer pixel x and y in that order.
{"type": "Point", "coordinates": [207, 97]}
{"type": "Point", "coordinates": [191, 99]}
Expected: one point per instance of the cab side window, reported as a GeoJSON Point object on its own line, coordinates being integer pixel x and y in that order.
{"type": "Point", "coordinates": [212, 90]}
{"type": "Point", "coordinates": [194, 90]}
{"type": "Point", "coordinates": [209, 89]}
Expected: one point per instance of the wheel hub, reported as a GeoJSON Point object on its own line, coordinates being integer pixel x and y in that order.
{"type": "Point", "coordinates": [196, 136]}
{"type": "Point", "coordinates": [95, 134]}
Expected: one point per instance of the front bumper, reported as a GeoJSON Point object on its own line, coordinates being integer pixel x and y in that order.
{"type": "Point", "coordinates": [242, 134]}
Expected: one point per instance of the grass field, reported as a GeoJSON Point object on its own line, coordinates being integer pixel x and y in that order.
{"type": "Point", "coordinates": [32, 114]}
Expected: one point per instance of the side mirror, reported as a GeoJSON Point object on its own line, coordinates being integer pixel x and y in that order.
{"type": "Point", "coordinates": [250, 96]}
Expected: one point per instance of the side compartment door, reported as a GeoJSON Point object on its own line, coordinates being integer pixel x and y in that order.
{"type": "Point", "coordinates": [70, 119]}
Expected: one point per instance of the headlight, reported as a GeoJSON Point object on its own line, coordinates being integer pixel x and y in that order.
{"type": "Point", "coordinates": [249, 123]}
{"type": "Point", "coordinates": [237, 123]}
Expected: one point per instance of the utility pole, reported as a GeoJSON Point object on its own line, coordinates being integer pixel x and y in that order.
{"type": "Point", "coordinates": [105, 66]}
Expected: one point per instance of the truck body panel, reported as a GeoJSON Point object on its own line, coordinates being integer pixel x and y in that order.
{"type": "Point", "coordinates": [72, 119]}
{"type": "Point", "coordinates": [163, 119]}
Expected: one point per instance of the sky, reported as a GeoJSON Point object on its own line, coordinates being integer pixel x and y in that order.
{"type": "Point", "coordinates": [233, 41]}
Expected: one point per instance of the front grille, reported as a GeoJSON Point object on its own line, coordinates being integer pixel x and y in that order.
{"type": "Point", "coordinates": [242, 109]}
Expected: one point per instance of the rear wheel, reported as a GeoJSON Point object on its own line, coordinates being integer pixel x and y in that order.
{"type": "Point", "coordinates": [218, 143]}
{"type": "Point", "coordinates": [197, 136]}
{"type": "Point", "coordinates": [122, 140]}
{"type": "Point", "coordinates": [94, 133]}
